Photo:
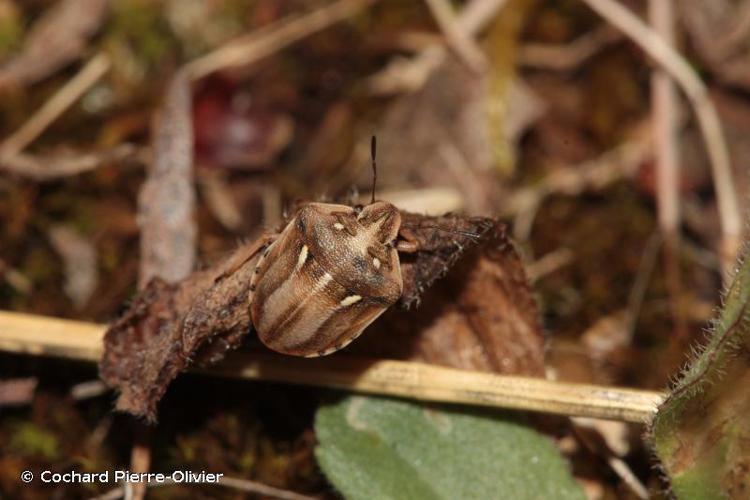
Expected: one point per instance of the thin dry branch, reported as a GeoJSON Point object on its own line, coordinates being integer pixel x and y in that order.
{"type": "Point", "coordinates": [166, 208]}
{"type": "Point", "coordinates": [55, 106]}
{"type": "Point", "coordinates": [664, 119]}
{"type": "Point", "coordinates": [621, 162]}
{"type": "Point", "coordinates": [49, 167]}
{"type": "Point", "coordinates": [36, 335]}
{"type": "Point", "coordinates": [456, 36]}
{"type": "Point", "coordinates": [261, 489]}
{"type": "Point", "coordinates": [406, 75]}
{"type": "Point", "coordinates": [679, 69]}
{"type": "Point", "coordinates": [166, 204]}
{"type": "Point", "coordinates": [567, 56]}
{"type": "Point", "coordinates": [229, 482]}
{"type": "Point", "coordinates": [265, 41]}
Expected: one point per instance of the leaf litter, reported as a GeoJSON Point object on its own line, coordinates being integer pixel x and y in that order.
{"type": "Point", "coordinates": [469, 303]}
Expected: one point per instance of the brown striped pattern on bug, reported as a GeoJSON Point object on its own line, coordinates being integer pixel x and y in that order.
{"type": "Point", "coordinates": [330, 273]}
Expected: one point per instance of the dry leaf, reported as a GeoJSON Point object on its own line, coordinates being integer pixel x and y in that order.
{"type": "Point", "coordinates": [166, 327]}
{"type": "Point", "coordinates": [58, 38]}
{"type": "Point", "coordinates": [720, 32]}
{"type": "Point", "coordinates": [481, 316]}
{"type": "Point", "coordinates": [438, 137]}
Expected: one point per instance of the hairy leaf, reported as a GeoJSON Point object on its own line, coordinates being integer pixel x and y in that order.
{"type": "Point", "coordinates": [383, 448]}
{"type": "Point", "coordinates": [702, 431]}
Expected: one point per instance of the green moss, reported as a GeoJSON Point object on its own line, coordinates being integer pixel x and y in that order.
{"type": "Point", "coordinates": [29, 440]}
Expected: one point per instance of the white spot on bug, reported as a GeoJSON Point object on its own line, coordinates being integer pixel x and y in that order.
{"type": "Point", "coordinates": [302, 256]}
{"type": "Point", "coordinates": [339, 226]}
{"type": "Point", "coordinates": [351, 299]}
{"type": "Point", "coordinates": [376, 263]}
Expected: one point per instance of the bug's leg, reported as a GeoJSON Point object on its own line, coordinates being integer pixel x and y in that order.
{"type": "Point", "coordinates": [239, 260]}
{"type": "Point", "coordinates": [407, 242]}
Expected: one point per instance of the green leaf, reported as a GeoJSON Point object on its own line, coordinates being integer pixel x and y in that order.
{"type": "Point", "coordinates": [373, 448]}
{"type": "Point", "coordinates": [701, 433]}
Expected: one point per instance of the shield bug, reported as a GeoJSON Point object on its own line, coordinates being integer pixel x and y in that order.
{"type": "Point", "coordinates": [330, 273]}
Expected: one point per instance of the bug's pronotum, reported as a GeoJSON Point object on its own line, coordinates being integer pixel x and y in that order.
{"type": "Point", "coordinates": [330, 273]}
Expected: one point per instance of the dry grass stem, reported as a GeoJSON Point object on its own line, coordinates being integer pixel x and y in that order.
{"type": "Point", "coordinates": [140, 460]}
{"type": "Point", "coordinates": [549, 263]}
{"type": "Point", "coordinates": [621, 162]}
{"type": "Point", "coordinates": [679, 69]}
{"type": "Point", "coordinates": [408, 75]}
{"type": "Point", "coordinates": [126, 491]}
{"type": "Point", "coordinates": [456, 36]}
{"type": "Point", "coordinates": [55, 106]}
{"type": "Point", "coordinates": [265, 41]}
{"type": "Point", "coordinates": [45, 168]}
{"type": "Point", "coordinates": [22, 333]}
{"type": "Point", "coordinates": [166, 202]}
{"type": "Point", "coordinates": [666, 149]}
{"type": "Point", "coordinates": [262, 489]}
{"type": "Point", "coordinates": [569, 56]}
{"type": "Point", "coordinates": [478, 14]}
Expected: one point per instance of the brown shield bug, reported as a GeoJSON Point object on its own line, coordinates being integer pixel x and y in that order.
{"type": "Point", "coordinates": [330, 273]}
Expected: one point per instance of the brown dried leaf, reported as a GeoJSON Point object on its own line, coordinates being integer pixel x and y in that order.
{"type": "Point", "coordinates": [481, 316]}
{"type": "Point", "coordinates": [169, 326]}
{"type": "Point", "coordinates": [720, 31]}
{"type": "Point", "coordinates": [438, 136]}
{"type": "Point", "coordinates": [56, 39]}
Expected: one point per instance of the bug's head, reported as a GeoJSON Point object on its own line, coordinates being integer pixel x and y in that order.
{"type": "Point", "coordinates": [356, 246]}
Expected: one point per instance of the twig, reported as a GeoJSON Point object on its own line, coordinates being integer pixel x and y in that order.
{"type": "Point", "coordinates": [478, 14]}
{"type": "Point", "coordinates": [568, 56]}
{"type": "Point", "coordinates": [15, 278]}
{"type": "Point", "coordinates": [89, 389]}
{"type": "Point", "coordinates": [49, 168]}
{"type": "Point", "coordinates": [456, 36]}
{"type": "Point", "coordinates": [22, 333]}
{"type": "Point", "coordinates": [548, 264]}
{"type": "Point", "coordinates": [664, 119]}
{"type": "Point", "coordinates": [601, 447]}
{"type": "Point", "coordinates": [166, 203]}
{"type": "Point", "coordinates": [410, 74]}
{"type": "Point", "coordinates": [261, 43]}
{"type": "Point", "coordinates": [140, 459]}
{"type": "Point", "coordinates": [641, 281]}
{"type": "Point", "coordinates": [619, 163]}
{"type": "Point", "coordinates": [262, 489]}
{"type": "Point", "coordinates": [55, 106]}
{"type": "Point", "coordinates": [166, 208]}
{"type": "Point", "coordinates": [229, 482]}
{"type": "Point", "coordinates": [708, 119]}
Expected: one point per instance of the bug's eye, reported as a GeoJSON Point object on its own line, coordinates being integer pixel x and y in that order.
{"type": "Point", "coordinates": [358, 209]}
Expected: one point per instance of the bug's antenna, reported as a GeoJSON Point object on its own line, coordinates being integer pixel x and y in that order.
{"type": "Point", "coordinates": [373, 149]}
